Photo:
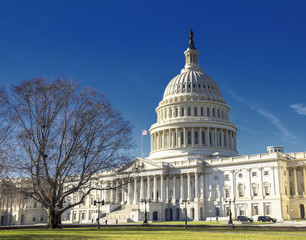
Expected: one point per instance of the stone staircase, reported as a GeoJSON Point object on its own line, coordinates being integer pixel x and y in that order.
{"type": "Point", "coordinates": [122, 213]}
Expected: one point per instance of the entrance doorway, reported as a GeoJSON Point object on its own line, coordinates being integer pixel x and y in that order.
{"type": "Point", "coordinates": [302, 211]}
{"type": "Point", "coordinates": [155, 216]}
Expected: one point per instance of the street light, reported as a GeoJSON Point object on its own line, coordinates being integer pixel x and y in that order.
{"type": "Point", "coordinates": [185, 201]}
{"type": "Point", "coordinates": [145, 201]}
{"type": "Point", "coordinates": [230, 201]}
{"type": "Point", "coordinates": [98, 218]}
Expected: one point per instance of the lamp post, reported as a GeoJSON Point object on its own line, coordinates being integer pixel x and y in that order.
{"type": "Point", "coordinates": [230, 201]}
{"type": "Point", "coordinates": [98, 218]}
{"type": "Point", "coordinates": [185, 201]}
{"type": "Point", "coordinates": [145, 201]}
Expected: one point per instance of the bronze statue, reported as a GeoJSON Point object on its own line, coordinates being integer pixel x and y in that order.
{"type": "Point", "coordinates": [191, 43]}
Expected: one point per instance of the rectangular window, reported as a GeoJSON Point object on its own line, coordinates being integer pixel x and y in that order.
{"type": "Point", "coordinates": [203, 137]}
{"type": "Point", "coordinates": [226, 177]}
{"type": "Point", "coordinates": [202, 112]}
{"type": "Point", "coordinates": [176, 112]}
{"type": "Point", "coordinates": [189, 137]}
{"type": "Point", "coordinates": [254, 174]}
{"type": "Point", "coordinates": [83, 215]}
{"type": "Point", "coordinates": [189, 111]}
{"type": "Point", "coordinates": [74, 216]}
{"type": "Point", "coordinates": [255, 210]}
{"type": "Point", "coordinates": [208, 112]}
{"type": "Point", "coordinates": [266, 173]}
{"type": "Point", "coordinates": [196, 138]}
{"type": "Point", "coordinates": [255, 190]}
{"type": "Point", "coordinates": [182, 112]}
{"type": "Point", "coordinates": [182, 138]}
{"type": "Point", "coordinates": [268, 209]}
{"type": "Point", "coordinates": [267, 190]}
{"type": "Point", "coordinates": [217, 212]}
{"type": "Point", "coordinates": [226, 193]}
{"type": "Point", "coordinates": [195, 111]}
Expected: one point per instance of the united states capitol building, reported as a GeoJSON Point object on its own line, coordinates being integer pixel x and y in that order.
{"type": "Point", "coordinates": [193, 162]}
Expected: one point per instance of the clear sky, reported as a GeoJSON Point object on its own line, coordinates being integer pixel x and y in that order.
{"type": "Point", "coordinates": [130, 50]}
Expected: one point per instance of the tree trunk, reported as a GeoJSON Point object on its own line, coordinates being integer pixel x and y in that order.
{"type": "Point", "coordinates": [54, 219]}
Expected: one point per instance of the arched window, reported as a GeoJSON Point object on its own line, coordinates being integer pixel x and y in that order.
{"type": "Point", "coordinates": [189, 137]}
{"type": "Point", "coordinates": [202, 112]}
{"type": "Point", "coordinates": [189, 111]}
{"type": "Point", "coordinates": [195, 111]}
{"type": "Point", "coordinates": [182, 112]}
{"type": "Point", "coordinates": [182, 138]}
{"type": "Point", "coordinates": [208, 112]}
{"type": "Point", "coordinates": [196, 138]}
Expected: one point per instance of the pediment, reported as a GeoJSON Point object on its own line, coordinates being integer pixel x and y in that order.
{"type": "Point", "coordinates": [138, 165]}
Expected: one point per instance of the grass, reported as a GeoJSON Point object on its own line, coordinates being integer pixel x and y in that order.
{"type": "Point", "coordinates": [150, 233]}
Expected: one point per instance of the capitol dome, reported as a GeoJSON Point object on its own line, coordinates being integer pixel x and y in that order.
{"type": "Point", "coordinates": [192, 118]}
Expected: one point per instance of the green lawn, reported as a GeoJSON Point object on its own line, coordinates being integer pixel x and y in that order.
{"type": "Point", "coordinates": [149, 233]}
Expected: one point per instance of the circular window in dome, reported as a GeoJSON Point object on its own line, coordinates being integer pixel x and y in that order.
{"type": "Point", "coordinates": [240, 175]}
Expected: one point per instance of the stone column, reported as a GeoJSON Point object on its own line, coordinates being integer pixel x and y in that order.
{"type": "Point", "coordinates": [273, 181]}
{"type": "Point", "coordinates": [141, 188]}
{"type": "Point", "coordinates": [129, 192]}
{"type": "Point", "coordinates": [154, 187]}
{"type": "Point", "coordinates": [261, 187]}
{"type": "Point", "coordinates": [182, 186]}
{"type": "Point", "coordinates": [116, 193]}
{"type": "Point", "coordinates": [192, 137]}
{"type": "Point", "coordinates": [148, 188]}
{"type": "Point", "coordinates": [135, 191]}
{"type": "Point", "coordinates": [188, 186]}
{"type": "Point", "coordinates": [174, 186]}
{"type": "Point", "coordinates": [111, 200]}
{"type": "Point", "coordinates": [167, 189]}
{"type": "Point", "coordinates": [207, 137]}
{"type": "Point", "coordinates": [196, 186]}
{"type": "Point", "coordinates": [202, 187]}
{"type": "Point", "coordinates": [162, 187]}
{"type": "Point", "coordinates": [200, 137]}
{"type": "Point", "coordinates": [216, 138]}
{"type": "Point", "coordinates": [163, 140]}
{"type": "Point", "coordinates": [185, 138]}
{"type": "Point", "coordinates": [222, 138]}
{"type": "Point", "coordinates": [296, 193]}
{"type": "Point", "coordinates": [176, 138]}
{"type": "Point", "coordinates": [304, 175]}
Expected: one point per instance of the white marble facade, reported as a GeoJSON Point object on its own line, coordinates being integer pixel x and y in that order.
{"type": "Point", "coordinates": [194, 157]}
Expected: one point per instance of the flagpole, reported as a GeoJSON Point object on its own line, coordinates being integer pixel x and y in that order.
{"type": "Point", "coordinates": [141, 145]}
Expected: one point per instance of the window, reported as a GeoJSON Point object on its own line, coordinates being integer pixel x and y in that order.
{"type": "Point", "coordinates": [241, 211]}
{"type": "Point", "coordinates": [254, 174]}
{"type": "Point", "coordinates": [196, 137]}
{"type": "Point", "coordinates": [203, 137]}
{"type": "Point", "coordinates": [267, 189]}
{"type": "Point", "coordinates": [176, 112]}
{"type": "Point", "coordinates": [91, 201]}
{"type": "Point", "coordinates": [240, 190]}
{"type": "Point", "coordinates": [83, 215]}
{"type": "Point", "coordinates": [208, 112]}
{"type": "Point", "coordinates": [182, 112]}
{"type": "Point", "coordinates": [189, 137]}
{"type": "Point", "coordinates": [35, 204]}
{"type": "Point", "coordinates": [240, 175]}
{"type": "Point", "coordinates": [182, 137]}
{"type": "Point", "coordinates": [226, 193]}
{"type": "Point", "coordinates": [228, 210]}
{"type": "Point", "coordinates": [268, 209]}
{"type": "Point", "coordinates": [195, 111]}
{"type": "Point", "coordinates": [217, 211]}
{"type": "Point", "coordinates": [255, 190]}
{"type": "Point", "coordinates": [34, 218]}
{"type": "Point", "coordinates": [189, 111]}
{"type": "Point", "coordinates": [74, 216]}
{"type": "Point", "coordinates": [226, 177]}
{"type": "Point", "coordinates": [202, 112]}
{"type": "Point", "coordinates": [266, 173]}
{"type": "Point", "coordinates": [255, 209]}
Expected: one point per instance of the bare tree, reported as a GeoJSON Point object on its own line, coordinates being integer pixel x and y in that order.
{"type": "Point", "coordinates": [65, 134]}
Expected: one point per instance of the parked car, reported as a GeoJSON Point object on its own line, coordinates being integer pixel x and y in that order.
{"type": "Point", "coordinates": [266, 219]}
{"type": "Point", "coordinates": [244, 219]}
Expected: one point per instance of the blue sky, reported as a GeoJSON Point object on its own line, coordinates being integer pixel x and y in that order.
{"type": "Point", "coordinates": [130, 50]}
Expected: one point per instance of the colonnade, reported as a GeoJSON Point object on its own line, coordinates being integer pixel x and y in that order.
{"type": "Point", "coordinates": [157, 188]}
{"type": "Point", "coordinates": [193, 137]}
{"type": "Point", "coordinates": [295, 181]}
